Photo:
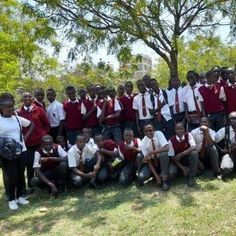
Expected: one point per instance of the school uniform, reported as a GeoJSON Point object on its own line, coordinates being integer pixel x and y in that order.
{"type": "Point", "coordinates": [148, 145]}
{"type": "Point", "coordinates": [213, 105]}
{"type": "Point", "coordinates": [129, 158]}
{"type": "Point", "coordinates": [175, 100]}
{"type": "Point", "coordinates": [55, 114]}
{"type": "Point", "coordinates": [105, 171]}
{"type": "Point", "coordinates": [208, 154]}
{"type": "Point", "coordinates": [178, 145]}
{"type": "Point", "coordinates": [53, 170]}
{"type": "Point", "coordinates": [128, 113]}
{"type": "Point", "coordinates": [84, 160]}
{"type": "Point", "coordinates": [73, 120]}
{"type": "Point", "coordinates": [191, 96]}
{"type": "Point", "coordinates": [41, 127]}
{"type": "Point", "coordinates": [112, 126]}
{"type": "Point", "coordinates": [92, 121]}
{"type": "Point", "coordinates": [228, 94]}
{"type": "Point", "coordinates": [40, 104]}
{"type": "Point", "coordinates": [140, 102]}
{"type": "Point", "coordinates": [162, 118]}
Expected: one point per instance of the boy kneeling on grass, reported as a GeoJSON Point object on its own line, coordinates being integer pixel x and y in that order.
{"type": "Point", "coordinates": [129, 151]}
{"type": "Point", "coordinates": [154, 148]}
{"type": "Point", "coordinates": [50, 166]}
{"type": "Point", "coordinates": [84, 165]}
{"type": "Point", "coordinates": [182, 151]}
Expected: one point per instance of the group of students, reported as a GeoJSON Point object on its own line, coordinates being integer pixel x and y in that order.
{"type": "Point", "coordinates": [103, 134]}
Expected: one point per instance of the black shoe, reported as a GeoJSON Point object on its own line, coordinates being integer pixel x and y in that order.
{"type": "Point", "coordinates": [93, 185]}
{"type": "Point", "coordinates": [165, 186]}
{"type": "Point", "coordinates": [191, 182]}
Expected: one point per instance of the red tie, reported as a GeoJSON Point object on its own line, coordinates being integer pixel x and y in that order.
{"type": "Point", "coordinates": [81, 164]}
{"type": "Point", "coordinates": [176, 101]}
{"type": "Point", "coordinates": [158, 107]}
{"type": "Point", "coordinates": [203, 148]}
{"type": "Point", "coordinates": [144, 106]}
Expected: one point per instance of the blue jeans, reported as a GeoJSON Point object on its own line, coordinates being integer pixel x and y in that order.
{"type": "Point", "coordinates": [71, 135]}
{"type": "Point", "coordinates": [113, 132]}
{"type": "Point", "coordinates": [217, 120]}
{"type": "Point", "coordinates": [166, 127]}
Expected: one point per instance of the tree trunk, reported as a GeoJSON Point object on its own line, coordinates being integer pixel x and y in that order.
{"type": "Point", "coordinates": [173, 63]}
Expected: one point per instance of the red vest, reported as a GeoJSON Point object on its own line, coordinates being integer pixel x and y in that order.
{"type": "Point", "coordinates": [180, 146]}
{"type": "Point", "coordinates": [73, 119]}
{"type": "Point", "coordinates": [231, 98]}
{"type": "Point", "coordinates": [92, 120]}
{"type": "Point", "coordinates": [129, 155]}
{"type": "Point", "coordinates": [49, 165]}
{"type": "Point", "coordinates": [109, 145]}
{"type": "Point", "coordinates": [128, 111]}
{"type": "Point", "coordinates": [110, 110]}
{"type": "Point", "coordinates": [212, 102]}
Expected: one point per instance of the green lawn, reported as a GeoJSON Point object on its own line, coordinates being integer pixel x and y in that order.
{"type": "Point", "coordinates": [207, 209]}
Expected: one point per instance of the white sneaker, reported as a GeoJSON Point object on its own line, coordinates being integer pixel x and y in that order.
{"type": "Point", "coordinates": [13, 205]}
{"type": "Point", "coordinates": [22, 201]}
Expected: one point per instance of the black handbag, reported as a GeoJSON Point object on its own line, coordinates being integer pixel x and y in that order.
{"type": "Point", "coordinates": [9, 148]}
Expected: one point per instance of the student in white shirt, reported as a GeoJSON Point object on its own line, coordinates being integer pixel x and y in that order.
{"type": "Point", "coordinates": [11, 127]}
{"type": "Point", "coordinates": [204, 138]}
{"type": "Point", "coordinates": [82, 165]}
{"type": "Point", "coordinates": [175, 98]}
{"type": "Point", "coordinates": [154, 148]}
{"type": "Point", "coordinates": [140, 102]}
{"type": "Point", "coordinates": [182, 151]}
{"type": "Point", "coordinates": [55, 113]}
{"type": "Point", "coordinates": [158, 106]}
{"type": "Point", "coordinates": [50, 166]}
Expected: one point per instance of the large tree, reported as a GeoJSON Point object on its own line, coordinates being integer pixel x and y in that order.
{"type": "Point", "coordinates": [119, 23]}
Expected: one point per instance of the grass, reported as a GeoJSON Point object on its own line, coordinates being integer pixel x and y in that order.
{"type": "Point", "coordinates": [207, 209]}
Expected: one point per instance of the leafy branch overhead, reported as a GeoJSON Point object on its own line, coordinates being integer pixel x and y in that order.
{"type": "Point", "coordinates": [115, 23]}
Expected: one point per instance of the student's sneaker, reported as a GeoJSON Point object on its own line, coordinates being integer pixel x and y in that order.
{"type": "Point", "coordinates": [191, 181]}
{"type": "Point", "coordinates": [13, 205]}
{"type": "Point", "coordinates": [22, 201]}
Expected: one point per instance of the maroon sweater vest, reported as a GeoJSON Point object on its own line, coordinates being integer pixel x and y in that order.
{"type": "Point", "coordinates": [49, 165]}
{"type": "Point", "coordinates": [128, 111]}
{"type": "Point", "coordinates": [231, 98]}
{"type": "Point", "coordinates": [92, 120]}
{"type": "Point", "coordinates": [73, 119]}
{"type": "Point", "coordinates": [110, 110]}
{"type": "Point", "coordinates": [129, 155]}
{"type": "Point", "coordinates": [212, 102]}
{"type": "Point", "coordinates": [180, 146]}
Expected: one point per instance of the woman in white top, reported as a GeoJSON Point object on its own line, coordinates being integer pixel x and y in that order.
{"type": "Point", "coordinates": [10, 127]}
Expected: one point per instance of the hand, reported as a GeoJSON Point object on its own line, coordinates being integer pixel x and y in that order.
{"type": "Point", "coordinates": [204, 128]}
{"type": "Point", "coordinates": [44, 159]}
{"type": "Point", "coordinates": [96, 168]}
{"type": "Point", "coordinates": [51, 158]}
{"type": "Point", "coordinates": [177, 157]}
{"type": "Point", "coordinates": [91, 174]}
{"type": "Point", "coordinates": [53, 188]}
{"type": "Point", "coordinates": [94, 108]}
{"type": "Point", "coordinates": [146, 158]}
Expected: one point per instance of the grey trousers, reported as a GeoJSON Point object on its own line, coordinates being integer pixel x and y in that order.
{"type": "Point", "coordinates": [145, 172]}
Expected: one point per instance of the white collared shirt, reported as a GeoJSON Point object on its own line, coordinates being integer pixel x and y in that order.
{"type": "Point", "coordinates": [37, 156]}
{"type": "Point", "coordinates": [55, 113]}
{"type": "Point", "coordinates": [188, 97]}
{"type": "Point", "coordinates": [138, 106]}
{"type": "Point", "coordinates": [171, 99]}
{"type": "Point", "coordinates": [198, 136]}
{"type": "Point", "coordinates": [130, 145]}
{"type": "Point", "coordinates": [74, 155]}
{"type": "Point", "coordinates": [220, 135]}
{"type": "Point", "coordinates": [76, 100]}
{"type": "Point", "coordinates": [191, 142]}
{"type": "Point", "coordinates": [117, 107]}
{"type": "Point", "coordinates": [92, 146]}
{"type": "Point", "coordinates": [165, 110]}
{"type": "Point", "coordinates": [159, 142]}
{"type": "Point", "coordinates": [28, 108]}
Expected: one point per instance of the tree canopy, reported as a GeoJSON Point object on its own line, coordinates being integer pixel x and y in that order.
{"type": "Point", "coordinates": [119, 23]}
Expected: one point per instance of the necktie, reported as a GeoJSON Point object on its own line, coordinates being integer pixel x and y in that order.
{"type": "Point", "coordinates": [81, 164]}
{"type": "Point", "coordinates": [176, 101]}
{"type": "Point", "coordinates": [158, 107]}
{"type": "Point", "coordinates": [203, 148]}
{"type": "Point", "coordinates": [195, 102]}
{"type": "Point", "coordinates": [28, 109]}
{"type": "Point", "coordinates": [144, 106]}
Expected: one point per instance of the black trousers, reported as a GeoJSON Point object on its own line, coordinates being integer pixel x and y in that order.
{"type": "Point", "coordinates": [13, 170]}
{"type": "Point", "coordinates": [29, 162]}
